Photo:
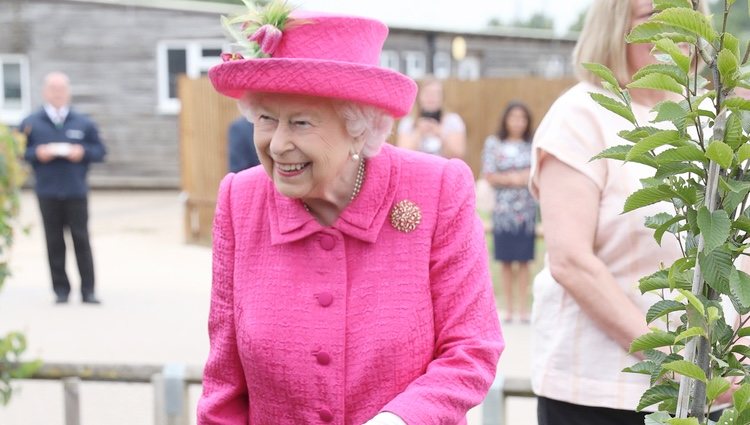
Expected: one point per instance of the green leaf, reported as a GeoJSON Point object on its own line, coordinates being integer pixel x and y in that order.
{"type": "Point", "coordinates": [602, 72]}
{"type": "Point", "coordinates": [666, 4]}
{"type": "Point", "coordinates": [743, 332]}
{"type": "Point", "coordinates": [645, 367]}
{"type": "Point", "coordinates": [666, 137]}
{"type": "Point", "coordinates": [720, 153]}
{"type": "Point", "coordinates": [716, 267]}
{"type": "Point", "coordinates": [668, 226]}
{"type": "Point", "coordinates": [657, 81]}
{"type": "Point", "coordinates": [657, 418]}
{"type": "Point", "coordinates": [635, 135]}
{"type": "Point", "coordinates": [694, 301]}
{"type": "Point", "coordinates": [712, 314]}
{"type": "Point", "coordinates": [728, 66]}
{"type": "Point", "coordinates": [743, 153]}
{"type": "Point", "coordinates": [618, 108]}
{"type": "Point", "coordinates": [741, 398]}
{"type": "Point", "coordinates": [689, 333]}
{"type": "Point", "coordinates": [729, 417]}
{"type": "Point", "coordinates": [737, 103]}
{"type": "Point", "coordinates": [618, 152]}
{"type": "Point", "coordinates": [680, 273]}
{"type": "Point", "coordinates": [680, 59]}
{"type": "Point", "coordinates": [653, 339]}
{"type": "Point", "coordinates": [684, 367]}
{"type": "Point", "coordinates": [656, 394]}
{"type": "Point", "coordinates": [733, 132]}
{"type": "Point", "coordinates": [742, 223]}
{"type": "Point", "coordinates": [656, 220]}
{"type": "Point", "coordinates": [683, 153]}
{"type": "Point", "coordinates": [689, 20]}
{"type": "Point", "coordinates": [648, 196]}
{"type": "Point", "coordinates": [662, 68]}
{"type": "Point", "coordinates": [714, 227]}
{"type": "Point", "coordinates": [672, 112]}
{"type": "Point", "coordinates": [654, 282]}
{"type": "Point", "coordinates": [662, 308]}
{"type": "Point", "coordinates": [732, 44]}
{"type": "Point", "coordinates": [649, 32]}
{"type": "Point", "coordinates": [671, 169]}
{"type": "Point", "coordinates": [739, 284]}
{"type": "Point", "coordinates": [736, 186]}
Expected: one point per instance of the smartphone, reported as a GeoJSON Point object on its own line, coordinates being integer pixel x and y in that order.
{"type": "Point", "coordinates": [435, 115]}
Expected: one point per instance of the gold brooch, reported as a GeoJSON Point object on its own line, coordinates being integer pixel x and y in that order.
{"type": "Point", "coordinates": [405, 216]}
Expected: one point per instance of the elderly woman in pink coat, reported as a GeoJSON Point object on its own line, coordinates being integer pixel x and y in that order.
{"type": "Point", "coordinates": [350, 277]}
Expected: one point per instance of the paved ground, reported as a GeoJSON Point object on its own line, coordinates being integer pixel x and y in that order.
{"type": "Point", "coordinates": [155, 290]}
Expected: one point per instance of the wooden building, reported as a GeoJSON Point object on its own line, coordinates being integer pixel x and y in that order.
{"type": "Point", "coordinates": [124, 58]}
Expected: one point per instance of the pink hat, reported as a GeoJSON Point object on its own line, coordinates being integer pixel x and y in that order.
{"type": "Point", "coordinates": [315, 54]}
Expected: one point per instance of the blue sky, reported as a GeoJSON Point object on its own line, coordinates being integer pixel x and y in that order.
{"type": "Point", "coordinates": [473, 14]}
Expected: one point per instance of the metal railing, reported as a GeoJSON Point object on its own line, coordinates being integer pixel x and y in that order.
{"type": "Point", "coordinates": [172, 381]}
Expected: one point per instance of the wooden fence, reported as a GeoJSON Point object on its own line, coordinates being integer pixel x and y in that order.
{"type": "Point", "coordinates": [206, 115]}
{"type": "Point", "coordinates": [171, 382]}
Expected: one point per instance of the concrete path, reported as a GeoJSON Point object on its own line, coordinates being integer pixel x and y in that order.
{"type": "Point", "coordinates": [155, 291]}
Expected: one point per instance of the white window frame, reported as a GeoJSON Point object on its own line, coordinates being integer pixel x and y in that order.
{"type": "Point", "coordinates": [469, 68]}
{"type": "Point", "coordinates": [391, 60]}
{"type": "Point", "coordinates": [441, 65]}
{"type": "Point", "coordinates": [16, 115]}
{"type": "Point", "coordinates": [415, 64]}
{"type": "Point", "coordinates": [196, 63]}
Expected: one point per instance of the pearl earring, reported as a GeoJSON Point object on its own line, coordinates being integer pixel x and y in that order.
{"type": "Point", "coordinates": [355, 155]}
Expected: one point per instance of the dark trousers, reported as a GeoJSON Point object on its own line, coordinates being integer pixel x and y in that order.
{"type": "Point", "coordinates": [58, 214]}
{"type": "Point", "coordinates": [553, 412]}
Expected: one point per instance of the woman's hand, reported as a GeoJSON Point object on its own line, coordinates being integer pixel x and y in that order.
{"type": "Point", "coordinates": [427, 127]}
{"type": "Point", "coordinates": [385, 418]}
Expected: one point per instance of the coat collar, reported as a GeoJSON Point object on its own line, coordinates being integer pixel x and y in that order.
{"type": "Point", "coordinates": [362, 219]}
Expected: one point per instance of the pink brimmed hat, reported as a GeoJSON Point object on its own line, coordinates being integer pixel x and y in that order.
{"type": "Point", "coordinates": [324, 55]}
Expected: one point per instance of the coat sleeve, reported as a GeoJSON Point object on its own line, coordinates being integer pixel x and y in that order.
{"type": "Point", "coordinates": [224, 400]}
{"type": "Point", "coordinates": [468, 340]}
{"type": "Point", "coordinates": [93, 146]}
{"type": "Point", "coordinates": [30, 154]}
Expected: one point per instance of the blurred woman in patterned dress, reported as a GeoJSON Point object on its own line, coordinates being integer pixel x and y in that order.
{"type": "Point", "coordinates": [506, 161]}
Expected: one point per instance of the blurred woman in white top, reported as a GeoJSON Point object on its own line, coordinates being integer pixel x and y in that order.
{"type": "Point", "coordinates": [430, 128]}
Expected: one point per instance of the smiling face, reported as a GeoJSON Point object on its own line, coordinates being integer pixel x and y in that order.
{"type": "Point", "coordinates": [304, 147]}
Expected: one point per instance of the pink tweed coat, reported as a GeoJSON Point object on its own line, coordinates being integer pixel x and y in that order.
{"type": "Point", "coordinates": [314, 325]}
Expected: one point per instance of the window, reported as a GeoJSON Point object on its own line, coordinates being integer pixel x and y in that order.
{"type": "Point", "coordinates": [389, 59]}
{"type": "Point", "coordinates": [469, 68]}
{"type": "Point", "coordinates": [416, 64]}
{"type": "Point", "coordinates": [15, 103]}
{"type": "Point", "coordinates": [174, 58]}
{"type": "Point", "coordinates": [441, 64]}
{"type": "Point", "coordinates": [551, 67]}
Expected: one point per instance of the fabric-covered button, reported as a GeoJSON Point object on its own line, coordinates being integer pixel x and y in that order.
{"type": "Point", "coordinates": [327, 242]}
{"type": "Point", "coordinates": [324, 299]}
{"type": "Point", "coordinates": [325, 415]}
{"type": "Point", "coordinates": [323, 358]}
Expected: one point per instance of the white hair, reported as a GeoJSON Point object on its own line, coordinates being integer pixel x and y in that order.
{"type": "Point", "coordinates": [368, 123]}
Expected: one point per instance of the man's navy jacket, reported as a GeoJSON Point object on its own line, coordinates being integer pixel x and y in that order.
{"type": "Point", "coordinates": [61, 178]}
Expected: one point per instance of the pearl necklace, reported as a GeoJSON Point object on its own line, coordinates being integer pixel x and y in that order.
{"type": "Point", "coordinates": [357, 183]}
